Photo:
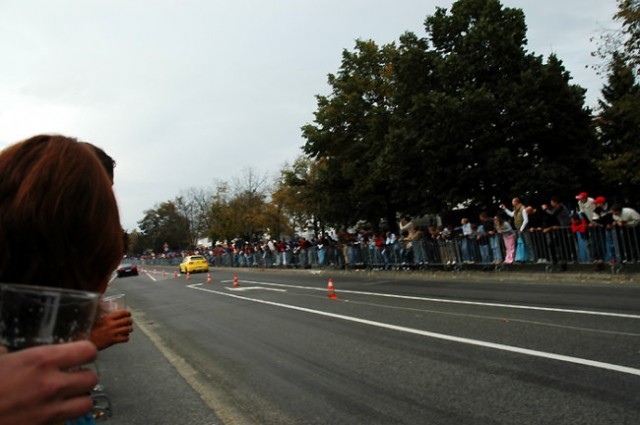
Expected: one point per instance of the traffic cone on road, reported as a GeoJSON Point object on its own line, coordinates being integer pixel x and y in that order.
{"type": "Point", "coordinates": [154, 272]}
{"type": "Point", "coordinates": [236, 283]}
{"type": "Point", "coordinates": [175, 275]}
{"type": "Point", "coordinates": [188, 275]}
{"type": "Point", "coordinates": [209, 279]}
{"type": "Point", "coordinates": [332, 291]}
{"type": "Point", "coordinates": [164, 273]}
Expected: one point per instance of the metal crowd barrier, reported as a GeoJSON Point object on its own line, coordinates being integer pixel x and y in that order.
{"type": "Point", "coordinates": [560, 247]}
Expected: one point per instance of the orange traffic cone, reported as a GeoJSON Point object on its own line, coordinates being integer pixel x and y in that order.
{"type": "Point", "coordinates": [175, 275]}
{"type": "Point", "coordinates": [154, 272]}
{"type": "Point", "coordinates": [235, 281]}
{"type": "Point", "coordinates": [209, 279]}
{"type": "Point", "coordinates": [332, 291]}
{"type": "Point", "coordinates": [164, 273]}
{"type": "Point", "coordinates": [188, 275]}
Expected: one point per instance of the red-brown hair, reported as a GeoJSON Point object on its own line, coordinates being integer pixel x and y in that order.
{"type": "Point", "coordinates": [59, 221]}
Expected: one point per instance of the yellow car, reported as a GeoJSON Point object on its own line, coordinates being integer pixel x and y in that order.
{"type": "Point", "coordinates": [194, 263]}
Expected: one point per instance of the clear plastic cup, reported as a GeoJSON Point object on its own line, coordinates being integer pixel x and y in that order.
{"type": "Point", "coordinates": [36, 315]}
{"type": "Point", "coordinates": [112, 303]}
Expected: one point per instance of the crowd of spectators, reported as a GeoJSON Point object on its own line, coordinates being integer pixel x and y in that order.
{"type": "Point", "coordinates": [587, 232]}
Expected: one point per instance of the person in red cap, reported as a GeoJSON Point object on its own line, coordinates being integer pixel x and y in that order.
{"type": "Point", "coordinates": [602, 216]}
{"type": "Point", "coordinates": [586, 206]}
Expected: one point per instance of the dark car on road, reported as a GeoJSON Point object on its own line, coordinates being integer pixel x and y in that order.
{"type": "Point", "coordinates": [127, 269]}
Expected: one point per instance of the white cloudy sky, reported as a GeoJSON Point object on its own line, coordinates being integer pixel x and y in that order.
{"type": "Point", "coordinates": [183, 93]}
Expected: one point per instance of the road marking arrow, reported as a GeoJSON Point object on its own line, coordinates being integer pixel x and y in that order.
{"type": "Point", "coordinates": [251, 288]}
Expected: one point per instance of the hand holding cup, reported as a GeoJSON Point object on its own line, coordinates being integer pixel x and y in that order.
{"type": "Point", "coordinates": [114, 324]}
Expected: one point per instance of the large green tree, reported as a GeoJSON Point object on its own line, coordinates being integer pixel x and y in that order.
{"type": "Point", "coordinates": [464, 115]}
{"type": "Point", "coordinates": [496, 121]}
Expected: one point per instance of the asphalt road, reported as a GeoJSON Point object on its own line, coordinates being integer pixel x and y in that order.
{"type": "Point", "coordinates": [391, 349]}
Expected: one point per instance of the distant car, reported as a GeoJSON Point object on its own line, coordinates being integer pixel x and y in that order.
{"type": "Point", "coordinates": [127, 269]}
{"type": "Point", "coordinates": [194, 263]}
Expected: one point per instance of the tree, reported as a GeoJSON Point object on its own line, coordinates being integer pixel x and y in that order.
{"type": "Point", "coordinates": [619, 129]}
{"type": "Point", "coordinates": [220, 214]}
{"type": "Point", "coordinates": [135, 243]}
{"type": "Point", "coordinates": [348, 139]}
{"type": "Point", "coordinates": [463, 116]}
{"type": "Point", "coordinates": [164, 224]}
{"type": "Point", "coordinates": [497, 120]}
{"type": "Point", "coordinates": [193, 204]}
{"type": "Point", "coordinates": [294, 196]}
{"type": "Point", "coordinates": [629, 16]}
{"type": "Point", "coordinates": [249, 204]}
{"type": "Point", "coordinates": [618, 121]}
{"type": "Point", "coordinates": [241, 212]}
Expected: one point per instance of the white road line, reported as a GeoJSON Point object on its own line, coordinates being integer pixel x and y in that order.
{"type": "Point", "coordinates": [479, 343]}
{"type": "Point", "coordinates": [447, 301]}
{"type": "Point", "coordinates": [253, 288]}
{"type": "Point", "coordinates": [151, 277]}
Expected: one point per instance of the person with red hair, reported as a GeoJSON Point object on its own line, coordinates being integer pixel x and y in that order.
{"type": "Point", "coordinates": [59, 227]}
{"type": "Point", "coordinates": [59, 220]}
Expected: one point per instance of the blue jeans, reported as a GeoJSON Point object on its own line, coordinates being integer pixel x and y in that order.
{"type": "Point", "coordinates": [495, 247]}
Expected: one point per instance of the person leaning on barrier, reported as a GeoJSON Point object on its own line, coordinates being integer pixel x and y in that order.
{"type": "Point", "coordinates": [492, 236]}
{"type": "Point", "coordinates": [535, 225]}
{"type": "Point", "coordinates": [586, 206]}
{"type": "Point", "coordinates": [601, 233]}
{"type": "Point", "coordinates": [559, 220]}
{"type": "Point", "coordinates": [503, 227]}
{"type": "Point", "coordinates": [481, 235]}
{"type": "Point", "coordinates": [625, 216]}
{"type": "Point", "coordinates": [626, 222]}
{"type": "Point", "coordinates": [602, 216]}
{"type": "Point", "coordinates": [559, 211]}
{"type": "Point", "coordinates": [580, 229]}
{"type": "Point", "coordinates": [57, 210]}
{"type": "Point", "coordinates": [519, 214]}
{"type": "Point", "coordinates": [520, 222]}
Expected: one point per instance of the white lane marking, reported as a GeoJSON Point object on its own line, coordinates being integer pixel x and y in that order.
{"type": "Point", "coordinates": [469, 341]}
{"type": "Point", "coordinates": [151, 277]}
{"type": "Point", "coordinates": [447, 301]}
{"type": "Point", "coordinates": [253, 288]}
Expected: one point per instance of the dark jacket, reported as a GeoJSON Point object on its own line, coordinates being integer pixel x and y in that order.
{"type": "Point", "coordinates": [559, 216]}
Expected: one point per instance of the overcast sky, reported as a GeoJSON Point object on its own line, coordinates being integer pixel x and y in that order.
{"type": "Point", "coordinates": [184, 93]}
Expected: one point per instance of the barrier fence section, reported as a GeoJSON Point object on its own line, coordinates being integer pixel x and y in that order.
{"type": "Point", "coordinates": [558, 246]}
